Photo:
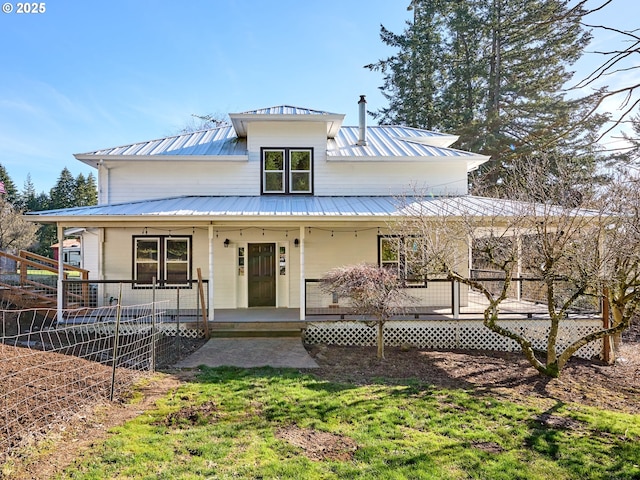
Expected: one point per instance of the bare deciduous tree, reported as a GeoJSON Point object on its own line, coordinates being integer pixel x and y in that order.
{"type": "Point", "coordinates": [616, 62]}
{"type": "Point", "coordinates": [373, 291]}
{"type": "Point", "coordinates": [577, 253]}
{"type": "Point", "coordinates": [15, 232]}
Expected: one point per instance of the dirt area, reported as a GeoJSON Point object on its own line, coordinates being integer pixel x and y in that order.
{"type": "Point", "coordinates": [503, 375]}
{"type": "Point", "coordinates": [506, 375]}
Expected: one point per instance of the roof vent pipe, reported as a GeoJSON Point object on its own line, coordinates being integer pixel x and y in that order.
{"type": "Point", "coordinates": [362, 137]}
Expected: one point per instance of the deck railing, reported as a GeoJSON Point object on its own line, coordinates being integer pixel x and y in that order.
{"type": "Point", "coordinates": [185, 299]}
{"type": "Point", "coordinates": [37, 276]}
{"type": "Point", "coordinates": [440, 297]}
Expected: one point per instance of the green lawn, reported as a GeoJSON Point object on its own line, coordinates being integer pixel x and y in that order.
{"type": "Point", "coordinates": [228, 423]}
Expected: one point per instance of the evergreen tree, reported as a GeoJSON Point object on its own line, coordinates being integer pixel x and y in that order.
{"type": "Point", "coordinates": [11, 194]}
{"type": "Point", "coordinates": [86, 191]}
{"type": "Point", "coordinates": [28, 197]}
{"type": "Point", "coordinates": [495, 71]}
{"type": "Point", "coordinates": [632, 154]}
{"type": "Point", "coordinates": [412, 77]}
{"type": "Point", "coordinates": [63, 194]}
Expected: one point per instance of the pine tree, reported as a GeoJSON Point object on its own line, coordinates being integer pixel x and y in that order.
{"type": "Point", "coordinates": [63, 194]}
{"type": "Point", "coordinates": [496, 69]}
{"type": "Point", "coordinates": [28, 197]}
{"type": "Point", "coordinates": [11, 194]}
{"type": "Point", "coordinates": [86, 191]}
{"type": "Point", "coordinates": [412, 76]}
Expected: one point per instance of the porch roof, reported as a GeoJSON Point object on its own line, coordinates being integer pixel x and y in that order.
{"type": "Point", "coordinates": [220, 208]}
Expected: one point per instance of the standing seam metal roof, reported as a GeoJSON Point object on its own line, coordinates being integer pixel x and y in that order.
{"type": "Point", "coordinates": [215, 141]}
{"type": "Point", "coordinates": [286, 110]}
{"type": "Point", "coordinates": [304, 206]}
{"type": "Point", "coordinates": [389, 141]}
{"type": "Point", "coordinates": [382, 141]}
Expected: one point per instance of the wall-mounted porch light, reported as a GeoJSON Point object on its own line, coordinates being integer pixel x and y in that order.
{"type": "Point", "coordinates": [296, 243]}
{"type": "Point", "coordinates": [226, 243]}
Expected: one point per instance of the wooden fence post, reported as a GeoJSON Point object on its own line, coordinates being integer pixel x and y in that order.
{"type": "Point", "coordinates": [203, 304]}
{"type": "Point", "coordinates": [606, 341]}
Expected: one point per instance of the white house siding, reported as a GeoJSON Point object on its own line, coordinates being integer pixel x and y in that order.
{"type": "Point", "coordinates": [322, 252]}
{"type": "Point", "coordinates": [327, 245]}
{"type": "Point", "coordinates": [390, 178]}
{"type": "Point", "coordinates": [90, 240]}
{"type": "Point", "coordinates": [286, 134]}
{"type": "Point", "coordinates": [161, 178]}
{"type": "Point", "coordinates": [144, 180]}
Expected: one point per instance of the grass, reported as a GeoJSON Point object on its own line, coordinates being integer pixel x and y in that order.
{"type": "Point", "coordinates": [225, 424]}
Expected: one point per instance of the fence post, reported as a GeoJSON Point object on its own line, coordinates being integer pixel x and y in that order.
{"type": "Point", "coordinates": [115, 344]}
{"type": "Point", "coordinates": [606, 341]}
{"type": "Point", "coordinates": [178, 340]}
{"type": "Point", "coordinates": [153, 327]}
{"type": "Point", "coordinates": [202, 304]}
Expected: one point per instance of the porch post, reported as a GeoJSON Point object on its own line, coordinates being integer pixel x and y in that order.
{"type": "Point", "coordinates": [59, 293]}
{"type": "Point", "coordinates": [456, 299]}
{"type": "Point", "coordinates": [519, 271]}
{"type": "Point", "coordinates": [303, 299]}
{"type": "Point", "coordinates": [210, 284]}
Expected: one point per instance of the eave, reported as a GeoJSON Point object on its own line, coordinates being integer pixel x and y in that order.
{"type": "Point", "coordinates": [95, 160]}
{"type": "Point", "coordinates": [241, 120]}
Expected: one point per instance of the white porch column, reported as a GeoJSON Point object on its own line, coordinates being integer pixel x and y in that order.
{"type": "Point", "coordinates": [59, 293]}
{"type": "Point", "coordinates": [210, 285]}
{"type": "Point", "coordinates": [519, 270]}
{"type": "Point", "coordinates": [303, 299]}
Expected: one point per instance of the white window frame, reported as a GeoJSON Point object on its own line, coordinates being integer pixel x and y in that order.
{"type": "Point", "coordinates": [162, 261]}
{"type": "Point", "coordinates": [288, 172]}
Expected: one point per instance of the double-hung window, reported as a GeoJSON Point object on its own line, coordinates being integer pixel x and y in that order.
{"type": "Point", "coordinates": [402, 255]}
{"type": "Point", "coordinates": [287, 170]}
{"type": "Point", "coordinates": [165, 258]}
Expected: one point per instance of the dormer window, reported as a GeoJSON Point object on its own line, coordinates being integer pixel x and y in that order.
{"type": "Point", "coordinates": [287, 170]}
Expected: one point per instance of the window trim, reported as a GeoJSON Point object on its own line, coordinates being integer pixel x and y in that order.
{"type": "Point", "coordinates": [288, 172]}
{"type": "Point", "coordinates": [163, 261]}
{"type": "Point", "coordinates": [402, 260]}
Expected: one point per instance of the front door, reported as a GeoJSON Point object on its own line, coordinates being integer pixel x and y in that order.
{"type": "Point", "coordinates": [262, 274]}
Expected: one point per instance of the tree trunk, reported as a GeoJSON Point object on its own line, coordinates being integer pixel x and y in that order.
{"type": "Point", "coordinates": [380, 339]}
{"type": "Point", "coordinates": [616, 337]}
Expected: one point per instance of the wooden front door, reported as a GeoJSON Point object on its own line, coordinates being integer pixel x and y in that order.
{"type": "Point", "coordinates": [262, 274]}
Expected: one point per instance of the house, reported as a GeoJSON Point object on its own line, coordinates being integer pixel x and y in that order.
{"type": "Point", "coordinates": [71, 251]}
{"type": "Point", "coordinates": [262, 206]}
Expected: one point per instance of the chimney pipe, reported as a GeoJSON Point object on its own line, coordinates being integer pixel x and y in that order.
{"type": "Point", "coordinates": [362, 137]}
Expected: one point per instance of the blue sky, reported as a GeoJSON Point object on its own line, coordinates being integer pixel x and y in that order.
{"type": "Point", "coordinates": [86, 75]}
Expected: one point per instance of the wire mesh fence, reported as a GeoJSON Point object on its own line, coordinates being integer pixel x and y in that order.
{"type": "Point", "coordinates": [53, 367]}
{"type": "Point", "coordinates": [440, 298]}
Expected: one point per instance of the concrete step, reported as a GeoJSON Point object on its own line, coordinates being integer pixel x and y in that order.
{"type": "Point", "coordinates": [254, 334]}
{"type": "Point", "coordinates": [254, 329]}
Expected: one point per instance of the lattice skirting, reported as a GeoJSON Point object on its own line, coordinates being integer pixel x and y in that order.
{"type": "Point", "coordinates": [454, 334]}
{"type": "Point", "coordinates": [169, 330]}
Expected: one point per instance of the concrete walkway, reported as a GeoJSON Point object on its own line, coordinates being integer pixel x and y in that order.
{"type": "Point", "coordinates": [287, 352]}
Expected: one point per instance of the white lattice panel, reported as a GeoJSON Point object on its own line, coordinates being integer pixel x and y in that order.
{"type": "Point", "coordinates": [454, 334]}
{"type": "Point", "coordinates": [170, 330]}
{"type": "Point", "coordinates": [108, 329]}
